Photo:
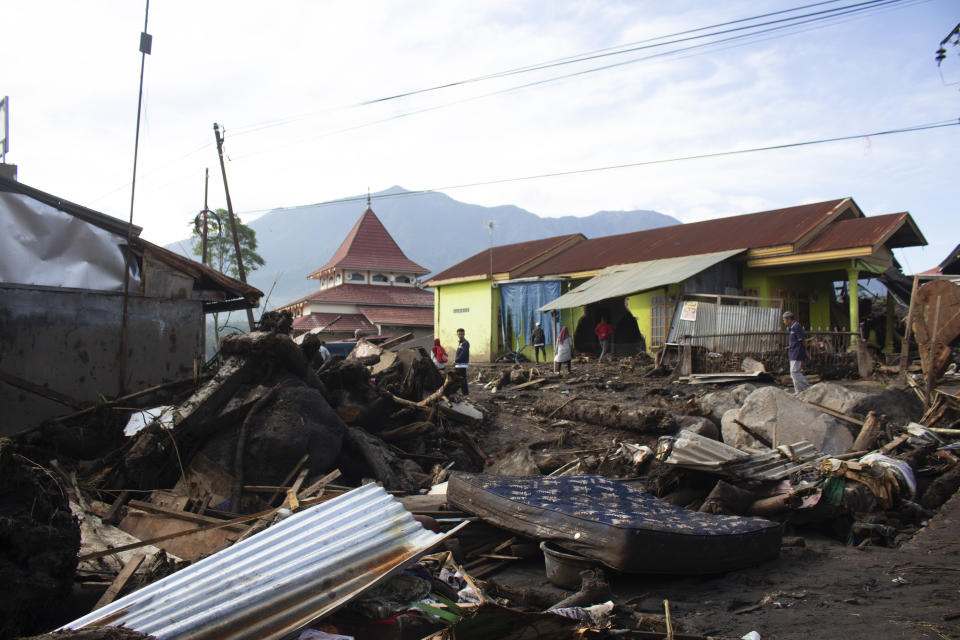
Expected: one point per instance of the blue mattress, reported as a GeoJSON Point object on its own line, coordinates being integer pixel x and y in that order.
{"type": "Point", "coordinates": [621, 527]}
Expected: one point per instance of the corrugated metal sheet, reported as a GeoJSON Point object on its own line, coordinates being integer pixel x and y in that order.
{"type": "Point", "coordinates": [506, 258]}
{"type": "Point", "coordinates": [776, 465]}
{"type": "Point", "coordinates": [726, 327]}
{"type": "Point", "coordinates": [692, 451]}
{"type": "Point", "coordinates": [892, 229]}
{"type": "Point", "coordinates": [625, 279]}
{"type": "Point", "coordinates": [756, 230]}
{"type": "Point", "coordinates": [277, 581]}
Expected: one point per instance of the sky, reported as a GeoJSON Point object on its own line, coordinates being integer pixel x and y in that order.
{"type": "Point", "coordinates": [288, 81]}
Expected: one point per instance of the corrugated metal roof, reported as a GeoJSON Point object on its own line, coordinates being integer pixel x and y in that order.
{"type": "Point", "coordinates": [370, 246]}
{"type": "Point", "coordinates": [506, 258]}
{"type": "Point", "coordinates": [693, 451]}
{"type": "Point", "coordinates": [333, 322]}
{"type": "Point", "coordinates": [866, 232]}
{"type": "Point", "coordinates": [277, 581]}
{"type": "Point", "coordinates": [755, 230]}
{"type": "Point", "coordinates": [726, 327]}
{"type": "Point", "coordinates": [776, 465]}
{"type": "Point", "coordinates": [625, 279]}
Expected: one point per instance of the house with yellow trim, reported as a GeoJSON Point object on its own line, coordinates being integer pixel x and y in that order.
{"type": "Point", "coordinates": [790, 258]}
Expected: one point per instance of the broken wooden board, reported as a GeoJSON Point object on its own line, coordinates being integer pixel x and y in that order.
{"type": "Point", "coordinates": [189, 547]}
{"type": "Point", "coordinates": [936, 324]}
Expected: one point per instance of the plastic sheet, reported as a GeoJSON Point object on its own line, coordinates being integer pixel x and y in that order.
{"type": "Point", "coordinates": [518, 310]}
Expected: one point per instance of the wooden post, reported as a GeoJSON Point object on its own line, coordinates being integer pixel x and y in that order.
{"type": "Point", "coordinates": [871, 430]}
{"type": "Point", "coordinates": [931, 367]}
{"type": "Point", "coordinates": [853, 292]}
{"type": "Point", "coordinates": [888, 340]}
{"type": "Point", "coordinates": [905, 347]}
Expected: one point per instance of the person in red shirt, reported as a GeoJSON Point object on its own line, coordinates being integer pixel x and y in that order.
{"type": "Point", "coordinates": [439, 355]}
{"type": "Point", "coordinates": [604, 332]}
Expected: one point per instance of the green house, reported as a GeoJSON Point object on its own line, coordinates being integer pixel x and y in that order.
{"type": "Point", "coordinates": [740, 272]}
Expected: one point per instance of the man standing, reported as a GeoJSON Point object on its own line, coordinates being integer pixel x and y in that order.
{"type": "Point", "coordinates": [539, 342]}
{"type": "Point", "coordinates": [324, 352]}
{"type": "Point", "coordinates": [604, 331]}
{"type": "Point", "coordinates": [462, 360]}
{"type": "Point", "coordinates": [796, 352]}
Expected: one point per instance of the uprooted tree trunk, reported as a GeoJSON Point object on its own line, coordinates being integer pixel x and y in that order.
{"type": "Point", "coordinates": [639, 419]}
{"type": "Point", "coordinates": [395, 473]}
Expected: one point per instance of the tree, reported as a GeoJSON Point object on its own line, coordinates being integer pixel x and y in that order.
{"type": "Point", "coordinates": [220, 251]}
{"type": "Point", "coordinates": [221, 254]}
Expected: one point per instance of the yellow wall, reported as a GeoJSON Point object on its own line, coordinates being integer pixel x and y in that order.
{"type": "Point", "coordinates": [816, 285]}
{"type": "Point", "coordinates": [472, 306]}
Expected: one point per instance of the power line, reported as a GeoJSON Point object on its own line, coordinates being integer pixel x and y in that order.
{"type": "Point", "coordinates": [726, 42]}
{"type": "Point", "coordinates": [642, 163]}
{"type": "Point", "coordinates": [633, 47]}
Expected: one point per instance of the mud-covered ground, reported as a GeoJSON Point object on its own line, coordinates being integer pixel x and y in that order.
{"type": "Point", "coordinates": [820, 588]}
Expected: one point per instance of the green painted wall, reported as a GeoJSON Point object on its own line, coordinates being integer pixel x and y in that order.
{"type": "Point", "coordinates": [471, 306]}
{"type": "Point", "coordinates": [816, 286]}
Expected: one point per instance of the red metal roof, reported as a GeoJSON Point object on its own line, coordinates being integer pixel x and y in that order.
{"type": "Point", "coordinates": [417, 316]}
{"type": "Point", "coordinates": [751, 231]}
{"type": "Point", "coordinates": [371, 294]}
{"type": "Point", "coordinates": [332, 322]}
{"type": "Point", "coordinates": [506, 258]}
{"type": "Point", "coordinates": [860, 232]}
{"type": "Point", "coordinates": [370, 246]}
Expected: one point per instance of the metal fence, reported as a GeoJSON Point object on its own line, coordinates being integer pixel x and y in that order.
{"type": "Point", "coordinates": [828, 352]}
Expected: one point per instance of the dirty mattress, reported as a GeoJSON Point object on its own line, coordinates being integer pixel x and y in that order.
{"type": "Point", "coordinates": [621, 527]}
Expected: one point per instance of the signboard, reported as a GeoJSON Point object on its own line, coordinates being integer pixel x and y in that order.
{"type": "Point", "coordinates": [689, 311]}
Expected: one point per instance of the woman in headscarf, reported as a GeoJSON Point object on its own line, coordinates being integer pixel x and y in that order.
{"type": "Point", "coordinates": [563, 352]}
{"type": "Point", "coordinates": [439, 355]}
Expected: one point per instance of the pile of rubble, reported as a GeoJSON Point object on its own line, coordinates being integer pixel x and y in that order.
{"type": "Point", "coordinates": [280, 494]}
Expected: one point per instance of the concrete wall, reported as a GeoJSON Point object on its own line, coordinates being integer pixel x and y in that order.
{"type": "Point", "coordinates": [69, 341]}
{"type": "Point", "coordinates": [472, 306]}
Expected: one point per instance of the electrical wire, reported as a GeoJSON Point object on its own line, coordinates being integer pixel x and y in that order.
{"type": "Point", "coordinates": [641, 45]}
{"type": "Point", "coordinates": [643, 163]}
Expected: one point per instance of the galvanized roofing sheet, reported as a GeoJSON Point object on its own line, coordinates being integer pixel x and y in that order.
{"type": "Point", "coordinates": [506, 258]}
{"type": "Point", "coordinates": [280, 579]}
{"type": "Point", "coordinates": [625, 279]}
{"type": "Point", "coordinates": [752, 231]}
{"type": "Point", "coordinates": [894, 229]}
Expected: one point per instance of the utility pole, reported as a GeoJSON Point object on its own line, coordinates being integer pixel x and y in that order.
{"type": "Point", "coordinates": [146, 45]}
{"type": "Point", "coordinates": [233, 224]}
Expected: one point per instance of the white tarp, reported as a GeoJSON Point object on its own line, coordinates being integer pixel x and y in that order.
{"type": "Point", "coordinates": [625, 279]}
{"type": "Point", "coordinates": [44, 246]}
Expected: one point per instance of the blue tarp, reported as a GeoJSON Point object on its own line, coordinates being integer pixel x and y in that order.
{"type": "Point", "coordinates": [518, 310]}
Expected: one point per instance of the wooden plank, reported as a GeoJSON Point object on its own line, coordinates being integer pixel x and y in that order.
{"type": "Point", "coordinates": [319, 485]}
{"type": "Point", "coordinates": [43, 392]}
{"type": "Point", "coordinates": [111, 515]}
{"type": "Point", "coordinates": [392, 342]}
{"type": "Point", "coordinates": [529, 383]}
{"type": "Point", "coordinates": [182, 515]}
{"type": "Point", "coordinates": [905, 346]}
{"type": "Point", "coordinates": [171, 536]}
{"type": "Point", "coordinates": [121, 580]}
{"type": "Point", "coordinates": [835, 414]}
{"type": "Point", "coordinates": [286, 481]}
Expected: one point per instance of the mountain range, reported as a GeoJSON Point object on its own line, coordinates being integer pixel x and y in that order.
{"type": "Point", "coordinates": [432, 229]}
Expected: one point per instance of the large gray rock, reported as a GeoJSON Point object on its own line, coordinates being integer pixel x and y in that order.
{"type": "Point", "coordinates": [901, 406]}
{"type": "Point", "coordinates": [716, 403]}
{"type": "Point", "coordinates": [783, 419]}
{"type": "Point", "coordinates": [834, 396]}
{"type": "Point", "coordinates": [700, 426]}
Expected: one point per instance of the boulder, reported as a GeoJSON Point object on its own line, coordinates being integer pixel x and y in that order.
{"type": "Point", "coordinates": [295, 421]}
{"type": "Point", "coordinates": [781, 418]}
{"type": "Point", "coordinates": [901, 406]}
{"type": "Point", "coordinates": [715, 404]}
{"type": "Point", "coordinates": [699, 425]}
{"type": "Point", "coordinates": [834, 396]}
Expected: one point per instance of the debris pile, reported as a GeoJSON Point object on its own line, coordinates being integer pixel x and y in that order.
{"type": "Point", "coordinates": [364, 497]}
